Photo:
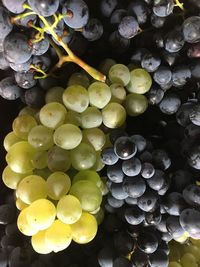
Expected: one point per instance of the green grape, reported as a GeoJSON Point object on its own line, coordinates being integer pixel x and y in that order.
{"type": "Point", "coordinates": [136, 104]}
{"type": "Point", "coordinates": [73, 118]}
{"type": "Point", "coordinates": [31, 188]}
{"type": "Point", "coordinates": [52, 115]}
{"type": "Point", "coordinates": [76, 98]}
{"type": "Point", "coordinates": [188, 260]}
{"type": "Point", "coordinates": [85, 229]}
{"type": "Point", "coordinates": [54, 94]}
{"type": "Point", "coordinates": [95, 137]}
{"type": "Point", "coordinates": [119, 73]}
{"type": "Point", "coordinates": [20, 156]}
{"type": "Point", "coordinates": [41, 137]}
{"type": "Point", "coordinates": [58, 185]}
{"type": "Point", "coordinates": [41, 214]}
{"type": "Point", "coordinates": [174, 264]}
{"type": "Point", "coordinates": [99, 216]}
{"type": "Point", "coordinates": [106, 65]}
{"type": "Point", "coordinates": [22, 125]}
{"type": "Point", "coordinates": [88, 194]}
{"type": "Point", "coordinates": [28, 111]}
{"type": "Point", "coordinates": [10, 139]}
{"type": "Point", "coordinates": [58, 159]}
{"type": "Point", "coordinates": [194, 250]}
{"type": "Point", "coordinates": [140, 82]}
{"type": "Point", "coordinates": [99, 94]}
{"type": "Point", "coordinates": [44, 173]}
{"type": "Point", "coordinates": [95, 211]}
{"type": "Point", "coordinates": [88, 175]}
{"type": "Point", "coordinates": [99, 165]}
{"type": "Point", "coordinates": [67, 136]}
{"type": "Point", "coordinates": [23, 225]}
{"type": "Point", "coordinates": [79, 78]}
{"type": "Point", "coordinates": [69, 209]}
{"type": "Point", "coordinates": [58, 236]}
{"type": "Point", "coordinates": [114, 115]}
{"type": "Point", "coordinates": [175, 254]}
{"type": "Point", "coordinates": [91, 118]}
{"type": "Point", "coordinates": [40, 160]}
{"type": "Point", "coordinates": [118, 93]}
{"type": "Point", "coordinates": [83, 157]}
{"type": "Point", "coordinates": [38, 242]}
{"type": "Point", "coordinates": [108, 142]}
{"type": "Point", "coordinates": [20, 205]}
{"type": "Point", "coordinates": [11, 179]}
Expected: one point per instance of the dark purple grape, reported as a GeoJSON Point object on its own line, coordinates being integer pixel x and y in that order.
{"type": "Point", "coordinates": [115, 173]}
{"type": "Point", "coordinates": [147, 242]}
{"type": "Point", "coordinates": [107, 7]}
{"type": "Point", "coordinates": [150, 62]}
{"type": "Point", "coordinates": [109, 156]}
{"type": "Point", "coordinates": [125, 148]}
{"type": "Point", "coordinates": [191, 29]}
{"type": "Point", "coordinates": [44, 8]}
{"type": "Point", "coordinates": [131, 167]}
{"type": "Point", "coordinates": [174, 203]}
{"type": "Point", "coordinates": [163, 8]}
{"type": "Point", "coordinates": [147, 202]}
{"type": "Point", "coordinates": [134, 186]}
{"type": "Point", "coordinates": [158, 258]}
{"type": "Point", "coordinates": [93, 30]}
{"type": "Point", "coordinates": [134, 215]}
{"type": "Point", "coordinates": [128, 27]}
{"type": "Point", "coordinates": [140, 10]}
{"type": "Point", "coordinates": [170, 104]}
{"type": "Point", "coordinates": [157, 181]}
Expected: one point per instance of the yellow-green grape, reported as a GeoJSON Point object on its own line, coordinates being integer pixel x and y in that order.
{"type": "Point", "coordinates": [69, 209]}
{"type": "Point", "coordinates": [38, 242]}
{"type": "Point", "coordinates": [95, 211]}
{"type": "Point", "coordinates": [52, 115]}
{"type": "Point", "coordinates": [20, 156]}
{"type": "Point", "coordinates": [85, 229]}
{"type": "Point", "coordinates": [23, 225]}
{"type": "Point", "coordinates": [54, 94]}
{"type": "Point", "coordinates": [41, 214]}
{"type": "Point", "coordinates": [105, 65]}
{"type": "Point", "coordinates": [194, 250]}
{"type": "Point", "coordinates": [95, 137]}
{"type": "Point", "coordinates": [108, 142]}
{"type": "Point", "coordinates": [73, 117]}
{"type": "Point", "coordinates": [188, 260]}
{"type": "Point", "coordinates": [114, 115]}
{"type": "Point", "coordinates": [99, 94]}
{"type": "Point", "coordinates": [67, 136]}
{"type": "Point", "coordinates": [140, 81]}
{"type": "Point", "coordinates": [182, 238]}
{"type": "Point", "coordinates": [88, 175]}
{"type": "Point", "coordinates": [88, 194]}
{"type": "Point", "coordinates": [91, 118]}
{"type": "Point", "coordinates": [28, 111]}
{"type": "Point", "coordinates": [11, 179]}
{"type": "Point", "coordinates": [76, 98]}
{"type": "Point", "coordinates": [44, 173]}
{"type": "Point", "coordinates": [58, 185]}
{"type": "Point", "coordinates": [174, 264]}
{"type": "Point", "coordinates": [58, 159]}
{"type": "Point", "coordinates": [20, 204]}
{"type": "Point", "coordinates": [83, 157]}
{"type": "Point", "coordinates": [40, 160]}
{"type": "Point", "coordinates": [22, 125]}
{"type": "Point", "coordinates": [41, 137]}
{"type": "Point", "coordinates": [31, 188]}
{"type": "Point", "coordinates": [58, 236]}
{"type": "Point", "coordinates": [79, 78]}
{"type": "Point", "coordinates": [99, 165]}
{"type": "Point", "coordinates": [118, 93]}
{"type": "Point", "coordinates": [99, 216]}
{"type": "Point", "coordinates": [136, 104]}
{"type": "Point", "coordinates": [10, 139]}
{"type": "Point", "coordinates": [119, 73]}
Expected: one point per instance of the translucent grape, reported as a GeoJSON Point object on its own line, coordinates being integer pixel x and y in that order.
{"type": "Point", "coordinates": [38, 242]}
{"type": "Point", "coordinates": [52, 115]}
{"type": "Point", "coordinates": [136, 104]}
{"type": "Point", "coordinates": [194, 250]}
{"type": "Point", "coordinates": [95, 137]}
{"type": "Point", "coordinates": [69, 209]}
{"type": "Point", "coordinates": [41, 137]}
{"type": "Point", "coordinates": [99, 165]}
{"type": "Point", "coordinates": [44, 173]}
{"type": "Point", "coordinates": [120, 74]}
{"type": "Point", "coordinates": [40, 160]}
{"type": "Point", "coordinates": [11, 179]}
{"type": "Point", "coordinates": [73, 118]}
{"type": "Point", "coordinates": [22, 125]}
{"type": "Point", "coordinates": [76, 98]}
{"type": "Point", "coordinates": [188, 260]}
{"type": "Point", "coordinates": [20, 204]}
{"type": "Point", "coordinates": [85, 229]}
{"type": "Point", "coordinates": [41, 214]}
{"type": "Point", "coordinates": [99, 94]}
{"type": "Point", "coordinates": [31, 188]}
{"type": "Point", "coordinates": [88, 194]}
{"type": "Point", "coordinates": [58, 236]}
{"type": "Point", "coordinates": [10, 139]}
{"type": "Point", "coordinates": [23, 224]}
{"type": "Point", "coordinates": [118, 93]}
{"type": "Point", "coordinates": [58, 184]}
{"type": "Point", "coordinates": [88, 175]}
{"type": "Point", "coordinates": [58, 159]}
{"type": "Point", "coordinates": [20, 156]}
{"type": "Point", "coordinates": [174, 264]}
{"type": "Point", "coordinates": [91, 118]}
{"type": "Point", "coordinates": [114, 115]}
{"type": "Point", "coordinates": [67, 136]}
{"type": "Point", "coordinates": [79, 78]}
{"type": "Point", "coordinates": [140, 82]}
{"type": "Point", "coordinates": [54, 94]}
{"type": "Point", "coordinates": [28, 111]}
{"type": "Point", "coordinates": [83, 157]}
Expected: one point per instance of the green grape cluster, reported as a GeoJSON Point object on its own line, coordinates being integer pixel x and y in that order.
{"type": "Point", "coordinates": [185, 255]}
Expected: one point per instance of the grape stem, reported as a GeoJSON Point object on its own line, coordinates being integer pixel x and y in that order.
{"type": "Point", "coordinates": [71, 57]}
{"type": "Point", "coordinates": [179, 4]}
